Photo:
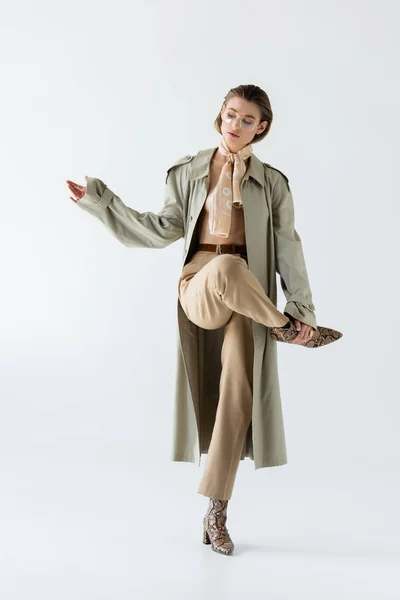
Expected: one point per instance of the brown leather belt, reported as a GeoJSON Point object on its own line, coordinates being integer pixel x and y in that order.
{"type": "Point", "coordinates": [224, 248]}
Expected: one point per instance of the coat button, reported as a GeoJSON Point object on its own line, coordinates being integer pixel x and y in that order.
{"type": "Point", "coordinates": [190, 218]}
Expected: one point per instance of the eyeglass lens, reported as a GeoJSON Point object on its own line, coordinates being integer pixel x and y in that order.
{"type": "Point", "coordinates": [246, 124]}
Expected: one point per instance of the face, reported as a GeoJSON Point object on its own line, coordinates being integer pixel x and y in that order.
{"type": "Point", "coordinates": [250, 114]}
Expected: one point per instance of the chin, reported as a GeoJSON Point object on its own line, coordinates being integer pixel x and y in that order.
{"type": "Point", "coordinates": [231, 140]}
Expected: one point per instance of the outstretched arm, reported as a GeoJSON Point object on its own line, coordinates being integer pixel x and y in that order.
{"type": "Point", "coordinates": [136, 229]}
{"type": "Point", "coordinates": [290, 263]}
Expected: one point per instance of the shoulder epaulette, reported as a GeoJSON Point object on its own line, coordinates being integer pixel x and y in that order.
{"type": "Point", "coordinates": [275, 169]}
{"type": "Point", "coordinates": [181, 161]}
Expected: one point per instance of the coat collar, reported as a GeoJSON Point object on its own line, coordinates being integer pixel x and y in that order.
{"type": "Point", "coordinates": [202, 160]}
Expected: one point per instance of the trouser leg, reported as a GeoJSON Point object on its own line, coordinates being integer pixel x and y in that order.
{"type": "Point", "coordinates": [234, 409]}
{"type": "Point", "coordinates": [224, 285]}
{"type": "Point", "coordinates": [216, 291]}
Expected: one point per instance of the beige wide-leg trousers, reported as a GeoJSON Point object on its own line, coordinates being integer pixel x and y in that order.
{"type": "Point", "coordinates": [219, 290]}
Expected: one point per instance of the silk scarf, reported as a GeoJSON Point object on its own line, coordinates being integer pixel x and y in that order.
{"type": "Point", "coordinates": [227, 191]}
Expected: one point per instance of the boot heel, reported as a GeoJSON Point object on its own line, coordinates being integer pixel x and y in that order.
{"type": "Point", "coordinates": [215, 518]}
{"type": "Point", "coordinates": [206, 537]}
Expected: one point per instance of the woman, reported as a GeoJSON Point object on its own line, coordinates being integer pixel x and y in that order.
{"type": "Point", "coordinates": [236, 215]}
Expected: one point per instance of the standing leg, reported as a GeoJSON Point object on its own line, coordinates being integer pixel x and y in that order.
{"type": "Point", "coordinates": [234, 409]}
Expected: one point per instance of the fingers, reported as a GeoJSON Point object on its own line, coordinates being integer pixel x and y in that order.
{"type": "Point", "coordinates": [301, 336]}
{"type": "Point", "coordinates": [298, 325]}
{"type": "Point", "coordinates": [75, 187]}
{"type": "Point", "coordinates": [77, 190]}
{"type": "Point", "coordinates": [304, 333]}
{"type": "Point", "coordinates": [72, 184]}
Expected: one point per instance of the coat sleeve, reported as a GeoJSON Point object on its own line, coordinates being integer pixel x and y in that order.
{"type": "Point", "coordinates": [141, 229]}
{"type": "Point", "coordinates": [289, 258]}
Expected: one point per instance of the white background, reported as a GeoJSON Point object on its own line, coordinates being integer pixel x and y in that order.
{"type": "Point", "coordinates": [91, 506]}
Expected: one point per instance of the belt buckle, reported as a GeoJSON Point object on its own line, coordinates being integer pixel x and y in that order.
{"type": "Point", "coordinates": [233, 249]}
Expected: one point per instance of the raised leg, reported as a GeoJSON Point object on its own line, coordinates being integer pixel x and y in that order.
{"type": "Point", "coordinates": [225, 285]}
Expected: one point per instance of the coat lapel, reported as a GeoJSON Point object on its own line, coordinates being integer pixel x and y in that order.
{"type": "Point", "coordinates": [202, 161]}
{"type": "Point", "coordinates": [200, 174]}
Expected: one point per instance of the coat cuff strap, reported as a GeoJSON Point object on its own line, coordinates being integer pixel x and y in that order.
{"type": "Point", "coordinates": [105, 198]}
{"type": "Point", "coordinates": [97, 192]}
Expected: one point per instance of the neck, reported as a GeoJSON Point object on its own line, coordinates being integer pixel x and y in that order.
{"type": "Point", "coordinates": [222, 157]}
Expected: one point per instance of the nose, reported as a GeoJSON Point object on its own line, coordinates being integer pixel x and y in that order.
{"type": "Point", "coordinates": [236, 124]}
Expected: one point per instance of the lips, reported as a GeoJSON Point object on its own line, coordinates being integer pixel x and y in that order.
{"type": "Point", "coordinates": [233, 134]}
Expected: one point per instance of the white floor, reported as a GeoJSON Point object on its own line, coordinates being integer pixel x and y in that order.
{"type": "Point", "coordinates": [78, 525]}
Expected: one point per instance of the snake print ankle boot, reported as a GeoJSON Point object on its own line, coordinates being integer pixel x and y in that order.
{"type": "Point", "coordinates": [214, 528]}
{"type": "Point", "coordinates": [322, 336]}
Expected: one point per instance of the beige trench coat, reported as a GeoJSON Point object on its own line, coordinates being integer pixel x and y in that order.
{"type": "Point", "coordinates": [273, 246]}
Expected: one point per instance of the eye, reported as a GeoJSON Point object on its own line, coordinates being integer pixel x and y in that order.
{"type": "Point", "coordinates": [249, 122]}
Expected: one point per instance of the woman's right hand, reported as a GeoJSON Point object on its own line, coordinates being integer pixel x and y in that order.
{"type": "Point", "coordinates": [78, 190]}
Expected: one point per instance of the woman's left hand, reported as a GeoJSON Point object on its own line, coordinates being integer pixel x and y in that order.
{"type": "Point", "coordinates": [304, 334]}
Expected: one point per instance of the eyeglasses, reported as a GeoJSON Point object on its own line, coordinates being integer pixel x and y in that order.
{"type": "Point", "coordinates": [229, 114]}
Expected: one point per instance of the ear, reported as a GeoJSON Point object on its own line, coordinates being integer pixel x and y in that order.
{"type": "Point", "coordinates": [264, 125]}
